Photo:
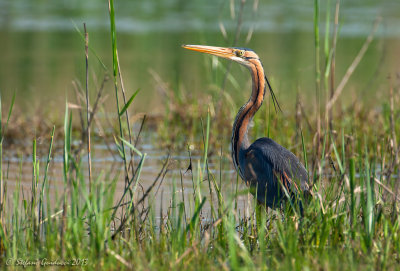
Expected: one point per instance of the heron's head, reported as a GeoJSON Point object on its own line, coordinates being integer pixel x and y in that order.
{"type": "Point", "coordinates": [243, 56]}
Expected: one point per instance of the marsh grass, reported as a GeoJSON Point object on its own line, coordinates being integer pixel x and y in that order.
{"type": "Point", "coordinates": [352, 222]}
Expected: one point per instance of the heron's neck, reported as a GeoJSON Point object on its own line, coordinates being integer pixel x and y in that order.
{"type": "Point", "coordinates": [243, 118]}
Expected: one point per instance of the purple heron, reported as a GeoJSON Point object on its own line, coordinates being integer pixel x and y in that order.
{"type": "Point", "coordinates": [272, 172]}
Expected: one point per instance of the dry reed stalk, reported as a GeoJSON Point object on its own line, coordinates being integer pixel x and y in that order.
{"type": "Point", "coordinates": [352, 67]}
{"type": "Point", "coordinates": [87, 107]}
{"type": "Point", "coordinates": [328, 116]}
{"type": "Point", "coordinates": [317, 101]}
{"type": "Point", "coordinates": [126, 115]}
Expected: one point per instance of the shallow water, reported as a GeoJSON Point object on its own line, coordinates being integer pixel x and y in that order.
{"type": "Point", "coordinates": [107, 166]}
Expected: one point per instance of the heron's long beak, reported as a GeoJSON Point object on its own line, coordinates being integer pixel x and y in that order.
{"type": "Point", "coordinates": [213, 50]}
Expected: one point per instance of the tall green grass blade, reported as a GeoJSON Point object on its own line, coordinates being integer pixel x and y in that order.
{"type": "Point", "coordinates": [195, 218]}
{"type": "Point", "coordinates": [10, 110]}
{"type": "Point", "coordinates": [119, 148]}
{"type": "Point", "coordinates": [206, 170]}
{"type": "Point", "coordinates": [339, 161]}
{"type": "Point", "coordinates": [132, 147]}
{"type": "Point", "coordinates": [129, 102]}
{"type": "Point", "coordinates": [45, 178]}
{"type": "Point", "coordinates": [197, 190]}
{"type": "Point", "coordinates": [207, 135]}
{"type": "Point", "coordinates": [327, 49]}
{"type": "Point", "coordinates": [67, 141]}
{"type": "Point", "coordinates": [113, 39]}
{"type": "Point", "coordinates": [304, 151]}
{"type": "Point", "coordinates": [138, 172]}
{"type": "Point", "coordinates": [136, 178]}
{"type": "Point", "coordinates": [48, 158]}
{"type": "Point", "coordinates": [35, 174]}
{"type": "Point", "coordinates": [316, 40]}
{"type": "Point", "coordinates": [343, 149]}
{"type": "Point", "coordinates": [231, 232]}
{"type": "Point", "coordinates": [261, 227]}
{"type": "Point", "coordinates": [352, 180]}
{"type": "Point", "coordinates": [322, 161]}
{"type": "Point", "coordinates": [327, 32]}
{"type": "Point", "coordinates": [317, 68]}
{"type": "Point", "coordinates": [16, 220]}
{"type": "Point", "coordinates": [115, 74]}
{"type": "Point", "coordinates": [369, 211]}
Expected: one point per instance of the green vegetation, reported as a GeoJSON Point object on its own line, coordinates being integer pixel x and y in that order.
{"type": "Point", "coordinates": [351, 223]}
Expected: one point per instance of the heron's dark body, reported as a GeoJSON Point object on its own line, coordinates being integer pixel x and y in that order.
{"type": "Point", "coordinates": [269, 168]}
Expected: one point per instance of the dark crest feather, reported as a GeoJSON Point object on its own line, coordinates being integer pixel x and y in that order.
{"type": "Point", "coordinates": [274, 100]}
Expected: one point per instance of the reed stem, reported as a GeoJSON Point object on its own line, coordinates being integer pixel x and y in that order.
{"type": "Point", "coordinates": [87, 108]}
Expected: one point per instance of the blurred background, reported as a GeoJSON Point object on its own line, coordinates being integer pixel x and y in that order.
{"type": "Point", "coordinates": [42, 51]}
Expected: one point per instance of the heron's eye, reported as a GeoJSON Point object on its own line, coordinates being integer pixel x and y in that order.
{"type": "Point", "coordinates": [239, 53]}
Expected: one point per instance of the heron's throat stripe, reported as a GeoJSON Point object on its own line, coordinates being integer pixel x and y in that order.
{"type": "Point", "coordinates": [247, 112]}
